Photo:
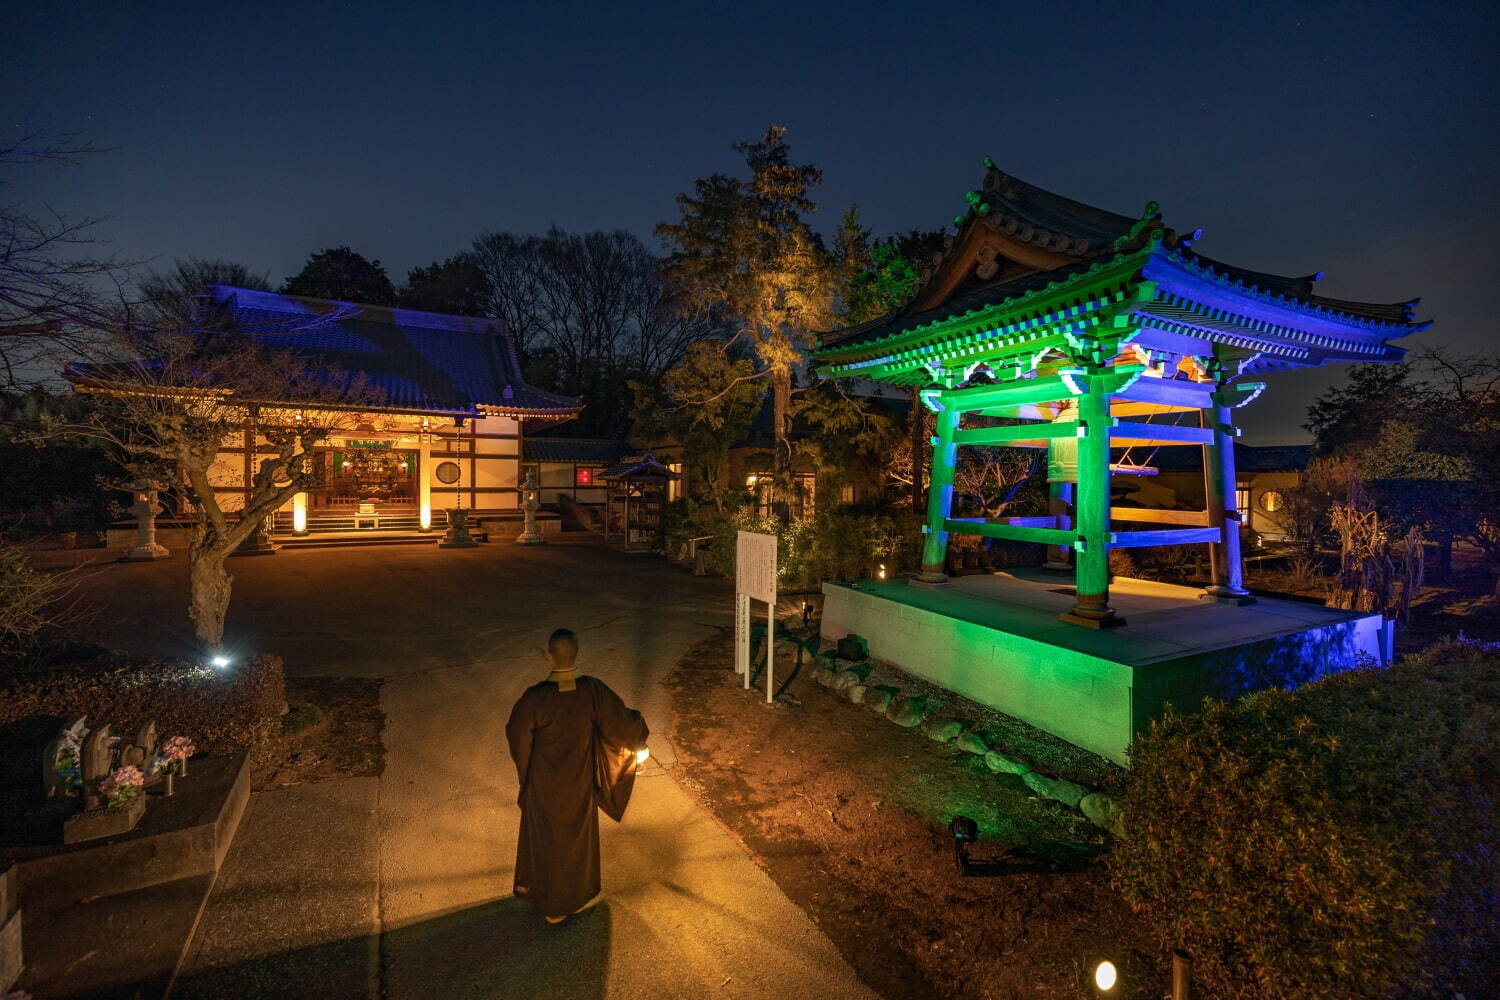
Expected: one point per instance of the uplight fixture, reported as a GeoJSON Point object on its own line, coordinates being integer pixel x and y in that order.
{"type": "Point", "coordinates": [642, 755]}
{"type": "Point", "coordinates": [1105, 976]}
{"type": "Point", "coordinates": [220, 661]}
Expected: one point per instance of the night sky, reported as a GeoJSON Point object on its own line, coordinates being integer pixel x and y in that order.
{"type": "Point", "coordinates": [1356, 139]}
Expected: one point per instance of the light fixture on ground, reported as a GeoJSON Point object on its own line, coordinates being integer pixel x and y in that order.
{"type": "Point", "coordinates": [1105, 977]}
{"type": "Point", "coordinates": [642, 755]}
{"type": "Point", "coordinates": [220, 661]}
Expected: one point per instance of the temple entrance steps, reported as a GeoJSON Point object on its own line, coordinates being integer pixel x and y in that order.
{"type": "Point", "coordinates": [357, 539]}
{"type": "Point", "coordinates": [343, 519]}
{"type": "Point", "coordinates": [345, 527]}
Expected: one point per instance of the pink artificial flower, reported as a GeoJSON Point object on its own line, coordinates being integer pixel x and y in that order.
{"type": "Point", "coordinates": [122, 784]}
{"type": "Point", "coordinates": [177, 748]}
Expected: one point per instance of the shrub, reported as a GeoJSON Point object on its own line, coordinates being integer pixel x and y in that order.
{"type": "Point", "coordinates": [301, 718]}
{"type": "Point", "coordinates": [30, 600]}
{"type": "Point", "coordinates": [228, 711]}
{"type": "Point", "coordinates": [842, 543]}
{"type": "Point", "coordinates": [1334, 841]}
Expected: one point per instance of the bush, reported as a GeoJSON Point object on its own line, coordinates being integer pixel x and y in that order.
{"type": "Point", "coordinates": [1334, 841]}
{"type": "Point", "coordinates": [843, 543]}
{"type": "Point", "coordinates": [231, 711]}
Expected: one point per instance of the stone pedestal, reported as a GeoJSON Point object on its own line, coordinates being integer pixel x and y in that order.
{"type": "Point", "coordinates": [106, 821]}
{"type": "Point", "coordinates": [145, 508]}
{"type": "Point", "coordinates": [257, 543]}
{"type": "Point", "coordinates": [530, 534]}
{"type": "Point", "coordinates": [457, 536]}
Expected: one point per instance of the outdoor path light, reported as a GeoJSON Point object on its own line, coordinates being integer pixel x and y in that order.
{"type": "Point", "coordinates": [1105, 977]}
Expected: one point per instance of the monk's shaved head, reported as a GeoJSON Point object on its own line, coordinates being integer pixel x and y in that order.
{"type": "Point", "coordinates": [563, 646]}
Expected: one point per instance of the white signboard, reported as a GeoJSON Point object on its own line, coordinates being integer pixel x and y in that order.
{"type": "Point", "coordinates": [754, 579]}
{"type": "Point", "coordinates": [755, 566]}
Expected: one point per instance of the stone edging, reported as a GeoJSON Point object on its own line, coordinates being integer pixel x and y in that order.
{"type": "Point", "coordinates": [916, 711]}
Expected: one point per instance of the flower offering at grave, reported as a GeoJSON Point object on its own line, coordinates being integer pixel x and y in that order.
{"type": "Point", "coordinates": [122, 784]}
{"type": "Point", "coordinates": [176, 751]}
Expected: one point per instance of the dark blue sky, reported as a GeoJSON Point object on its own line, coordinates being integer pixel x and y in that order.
{"type": "Point", "coordinates": [1356, 139]}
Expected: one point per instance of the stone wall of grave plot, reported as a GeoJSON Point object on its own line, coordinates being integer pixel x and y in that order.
{"type": "Point", "coordinates": [1086, 700]}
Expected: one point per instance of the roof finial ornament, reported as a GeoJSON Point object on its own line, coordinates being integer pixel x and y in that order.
{"type": "Point", "coordinates": [1150, 219]}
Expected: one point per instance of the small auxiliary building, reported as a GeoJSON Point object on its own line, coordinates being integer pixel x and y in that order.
{"type": "Point", "coordinates": [1049, 323]}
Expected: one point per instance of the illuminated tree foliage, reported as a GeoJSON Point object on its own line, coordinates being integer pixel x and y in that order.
{"type": "Point", "coordinates": [706, 403]}
{"type": "Point", "coordinates": [743, 246]}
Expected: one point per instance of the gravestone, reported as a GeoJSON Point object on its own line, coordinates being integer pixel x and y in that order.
{"type": "Point", "coordinates": [58, 777]}
{"type": "Point", "coordinates": [98, 818]}
{"type": "Point", "coordinates": [94, 760]}
{"type": "Point", "coordinates": [140, 752]}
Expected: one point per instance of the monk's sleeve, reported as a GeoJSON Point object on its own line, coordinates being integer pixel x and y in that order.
{"type": "Point", "coordinates": [518, 732]}
{"type": "Point", "coordinates": [618, 724]}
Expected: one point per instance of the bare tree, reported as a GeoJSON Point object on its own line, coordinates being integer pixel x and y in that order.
{"type": "Point", "coordinates": [589, 311]}
{"type": "Point", "coordinates": [50, 277]}
{"type": "Point", "coordinates": [185, 393]}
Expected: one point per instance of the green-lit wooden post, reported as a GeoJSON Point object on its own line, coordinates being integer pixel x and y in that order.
{"type": "Point", "coordinates": [1223, 509]}
{"type": "Point", "coordinates": [940, 495]}
{"type": "Point", "coordinates": [1091, 509]}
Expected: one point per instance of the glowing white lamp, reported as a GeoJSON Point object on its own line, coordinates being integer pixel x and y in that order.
{"type": "Point", "coordinates": [642, 755]}
{"type": "Point", "coordinates": [1105, 977]}
{"type": "Point", "coordinates": [881, 574]}
{"type": "Point", "coordinates": [299, 513]}
{"type": "Point", "coordinates": [426, 514]}
{"type": "Point", "coordinates": [220, 661]}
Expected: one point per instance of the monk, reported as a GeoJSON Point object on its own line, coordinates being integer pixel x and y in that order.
{"type": "Point", "coordinates": [576, 748]}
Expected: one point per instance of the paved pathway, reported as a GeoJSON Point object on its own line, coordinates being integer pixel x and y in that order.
{"type": "Point", "coordinates": [399, 886]}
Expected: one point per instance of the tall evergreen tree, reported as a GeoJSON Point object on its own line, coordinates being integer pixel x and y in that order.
{"type": "Point", "coordinates": [743, 246]}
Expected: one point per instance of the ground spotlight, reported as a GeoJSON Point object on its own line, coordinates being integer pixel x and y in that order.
{"type": "Point", "coordinates": [220, 661]}
{"type": "Point", "coordinates": [1105, 976]}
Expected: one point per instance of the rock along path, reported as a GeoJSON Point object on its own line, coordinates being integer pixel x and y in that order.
{"type": "Point", "coordinates": [398, 887]}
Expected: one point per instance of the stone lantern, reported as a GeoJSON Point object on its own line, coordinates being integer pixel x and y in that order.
{"type": "Point", "coordinates": [457, 536]}
{"type": "Point", "coordinates": [145, 508]}
{"type": "Point", "coordinates": [530, 534]}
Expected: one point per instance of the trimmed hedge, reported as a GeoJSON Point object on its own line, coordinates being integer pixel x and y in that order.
{"type": "Point", "coordinates": [1334, 841]}
{"type": "Point", "coordinates": [228, 711]}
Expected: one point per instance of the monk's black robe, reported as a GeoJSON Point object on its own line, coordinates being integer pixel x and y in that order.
{"type": "Point", "coordinates": [574, 754]}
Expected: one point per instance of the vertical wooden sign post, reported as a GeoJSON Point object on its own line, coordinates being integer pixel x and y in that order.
{"type": "Point", "coordinates": [754, 579]}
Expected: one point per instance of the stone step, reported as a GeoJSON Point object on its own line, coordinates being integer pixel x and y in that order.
{"type": "Point", "coordinates": [352, 540]}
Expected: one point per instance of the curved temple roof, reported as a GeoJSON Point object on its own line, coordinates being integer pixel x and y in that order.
{"type": "Point", "coordinates": [419, 362]}
{"type": "Point", "coordinates": [1030, 269]}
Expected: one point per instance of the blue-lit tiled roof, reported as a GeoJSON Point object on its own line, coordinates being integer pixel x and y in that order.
{"type": "Point", "coordinates": [414, 361]}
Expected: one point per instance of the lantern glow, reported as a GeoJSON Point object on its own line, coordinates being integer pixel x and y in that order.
{"type": "Point", "coordinates": [642, 755]}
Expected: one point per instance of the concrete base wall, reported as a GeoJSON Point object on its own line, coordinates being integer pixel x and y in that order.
{"type": "Point", "coordinates": [1086, 698]}
{"type": "Point", "coordinates": [183, 836]}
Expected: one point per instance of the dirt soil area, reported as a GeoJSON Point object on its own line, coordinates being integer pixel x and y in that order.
{"type": "Point", "coordinates": [332, 730]}
{"type": "Point", "coordinates": [849, 814]}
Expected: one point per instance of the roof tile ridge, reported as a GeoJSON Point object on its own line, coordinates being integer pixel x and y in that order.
{"type": "Point", "coordinates": [1077, 276]}
{"type": "Point", "coordinates": [1199, 264]}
